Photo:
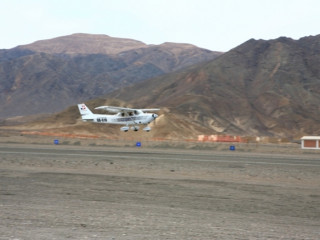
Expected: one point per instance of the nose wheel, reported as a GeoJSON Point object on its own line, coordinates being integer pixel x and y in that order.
{"type": "Point", "coordinates": [135, 128]}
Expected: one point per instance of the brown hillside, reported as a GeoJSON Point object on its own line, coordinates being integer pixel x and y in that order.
{"type": "Point", "coordinates": [258, 88]}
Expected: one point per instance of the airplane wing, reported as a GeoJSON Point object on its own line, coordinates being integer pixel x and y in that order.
{"type": "Point", "coordinates": [115, 109]}
{"type": "Point", "coordinates": [123, 109]}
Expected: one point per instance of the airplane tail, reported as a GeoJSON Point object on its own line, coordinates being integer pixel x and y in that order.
{"type": "Point", "coordinates": [85, 112]}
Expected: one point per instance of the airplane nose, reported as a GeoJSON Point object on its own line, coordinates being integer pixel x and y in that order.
{"type": "Point", "coordinates": [154, 116]}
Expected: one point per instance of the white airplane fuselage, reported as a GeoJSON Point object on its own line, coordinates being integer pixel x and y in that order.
{"type": "Point", "coordinates": [143, 118]}
{"type": "Point", "coordinates": [126, 117]}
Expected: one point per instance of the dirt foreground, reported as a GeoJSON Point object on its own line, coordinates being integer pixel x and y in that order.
{"type": "Point", "coordinates": [96, 192]}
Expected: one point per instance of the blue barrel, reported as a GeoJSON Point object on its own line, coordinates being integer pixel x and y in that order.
{"type": "Point", "coordinates": [138, 144]}
{"type": "Point", "coordinates": [56, 141]}
{"type": "Point", "coordinates": [232, 148]}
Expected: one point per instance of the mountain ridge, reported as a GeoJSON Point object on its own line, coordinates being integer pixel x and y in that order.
{"type": "Point", "coordinates": [81, 43]}
{"type": "Point", "coordinates": [48, 75]}
{"type": "Point", "coordinates": [261, 87]}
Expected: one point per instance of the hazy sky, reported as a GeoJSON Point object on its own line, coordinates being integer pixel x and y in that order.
{"type": "Point", "coordinates": [213, 24]}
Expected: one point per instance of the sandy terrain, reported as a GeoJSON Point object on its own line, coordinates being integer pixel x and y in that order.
{"type": "Point", "coordinates": [98, 192]}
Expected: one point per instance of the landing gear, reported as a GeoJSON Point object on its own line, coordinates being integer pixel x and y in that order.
{"type": "Point", "coordinates": [124, 129]}
{"type": "Point", "coordinates": [135, 128]}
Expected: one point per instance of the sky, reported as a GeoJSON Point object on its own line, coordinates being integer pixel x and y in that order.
{"type": "Point", "coordinates": [217, 25]}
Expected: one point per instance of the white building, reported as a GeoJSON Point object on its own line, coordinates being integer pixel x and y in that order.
{"type": "Point", "coordinates": [310, 142]}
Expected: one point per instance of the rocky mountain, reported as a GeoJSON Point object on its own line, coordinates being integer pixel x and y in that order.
{"type": "Point", "coordinates": [260, 88]}
{"type": "Point", "coordinates": [269, 88]}
{"type": "Point", "coordinates": [49, 75]}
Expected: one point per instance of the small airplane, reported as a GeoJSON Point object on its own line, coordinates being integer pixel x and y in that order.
{"type": "Point", "coordinates": [123, 116]}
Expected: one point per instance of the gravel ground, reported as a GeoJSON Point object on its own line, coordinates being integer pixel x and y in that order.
{"type": "Point", "coordinates": [94, 192]}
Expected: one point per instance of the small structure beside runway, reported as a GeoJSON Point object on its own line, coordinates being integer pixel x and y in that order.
{"type": "Point", "coordinates": [310, 142]}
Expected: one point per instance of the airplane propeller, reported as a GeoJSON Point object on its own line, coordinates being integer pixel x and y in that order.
{"type": "Point", "coordinates": [154, 117]}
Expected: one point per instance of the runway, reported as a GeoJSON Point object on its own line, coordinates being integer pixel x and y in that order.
{"type": "Point", "coordinates": [182, 155]}
{"type": "Point", "coordinates": [95, 192]}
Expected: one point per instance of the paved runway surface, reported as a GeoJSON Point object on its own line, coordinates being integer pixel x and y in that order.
{"type": "Point", "coordinates": [182, 155]}
{"type": "Point", "coordinates": [75, 192]}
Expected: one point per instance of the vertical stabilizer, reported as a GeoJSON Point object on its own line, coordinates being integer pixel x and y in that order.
{"type": "Point", "coordinates": [84, 110]}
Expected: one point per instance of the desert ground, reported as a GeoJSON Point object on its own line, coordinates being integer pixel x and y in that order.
{"type": "Point", "coordinates": [89, 189]}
